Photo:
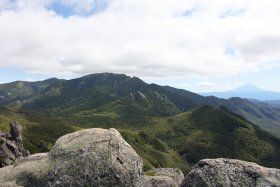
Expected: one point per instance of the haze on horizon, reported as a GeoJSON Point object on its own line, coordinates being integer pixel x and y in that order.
{"type": "Point", "coordinates": [195, 45]}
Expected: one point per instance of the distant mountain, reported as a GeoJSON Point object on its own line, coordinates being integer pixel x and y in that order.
{"type": "Point", "coordinates": [247, 91]}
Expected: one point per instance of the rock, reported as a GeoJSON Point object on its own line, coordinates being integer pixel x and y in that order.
{"type": "Point", "coordinates": [11, 147]}
{"type": "Point", "coordinates": [92, 157]}
{"type": "Point", "coordinates": [157, 181]}
{"type": "Point", "coordinates": [163, 177]}
{"type": "Point", "coordinates": [15, 132]}
{"type": "Point", "coordinates": [2, 135]}
{"type": "Point", "coordinates": [231, 172]}
{"type": "Point", "coordinates": [174, 173]}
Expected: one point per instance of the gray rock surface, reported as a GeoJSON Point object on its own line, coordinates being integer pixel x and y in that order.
{"type": "Point", "coordinates": [11, 147]}
{"type": "Point", "coordinates": [163, 177]}
{"type": "Point", "coordinates": [92, 157]}
{"type": "Point", "coordinates": [16, 131]}
{"type": "Point", "coordinates": [231, 172]}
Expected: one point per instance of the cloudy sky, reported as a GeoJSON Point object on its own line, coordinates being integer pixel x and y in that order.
{"type": "Point", "coordinates": [192, 44]}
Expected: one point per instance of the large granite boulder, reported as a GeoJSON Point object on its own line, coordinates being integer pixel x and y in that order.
{"type": "Point", "coordinates": [231, 172]}
{"type": "Point", "coordinates": [162, 177]}
{"type": "Point", "coordinates": [92, 157]}
{"type": "Point", "coordinates": [11, 146]}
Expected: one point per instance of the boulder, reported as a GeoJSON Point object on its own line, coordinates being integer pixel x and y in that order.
{"type": "Point", "coordinates": [157, 181]}
{"type": "Point", "coordinates": [11, 146]}
{"type": "Point", "coordinates": [162, 177]}
{"type": "Point", "coordinates": [91, 157]}
{"type": "Point", "coordinates": [230, 172]}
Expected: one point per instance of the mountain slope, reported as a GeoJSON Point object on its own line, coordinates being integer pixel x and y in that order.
{"type": "Point", "coordinates": [171, 141]}
{"type": "Point", "coordinates": [36, 128]}
{"type": "Point", "coordinates": [117, 99]}
{"type": "Point", "coordinates": [261, 114]}
{"type": "Point", "coordinates": [19, 91]}
{"type": "Point", "coordinates": [273, 103]}
{"type": "Point", "coordinates": [209, 132]}
{"type": "Point", "coordinates": [83, 93]}
{"type": "Point", "coordinates": [40, 128]}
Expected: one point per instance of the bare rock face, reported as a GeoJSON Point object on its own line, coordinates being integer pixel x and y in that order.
{"type": "Point", "coordinates": [231, 172]}
{"type": "Point", "coordinates": [92, 157]}
{"type": "Point", "coordinates": [11, 147]}
{"type": "Point", "coordinates": [163, 177]}
{"type": "Point", "coordinates": [16, 131]}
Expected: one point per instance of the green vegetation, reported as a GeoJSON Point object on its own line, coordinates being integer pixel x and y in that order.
{"type": "Point", "coordinates": [155, 153]}
{"type": "Point", "coordinates": [36, 128]}
{"type": "Point", "coordinates": [167, 127]}
{"type": "Point", "coordinates": [173, 141]}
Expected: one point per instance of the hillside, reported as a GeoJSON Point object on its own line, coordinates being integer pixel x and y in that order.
{"type": "Point", "coordinates": [119, 96]}
{"type": "Point", "coordinates": [19, 91]}
{"type": "Point", "coordinates": [273, 103]}
{"type": "Point", "coordinates": [168, 127]}
{"type": "Point", "coordinates": [261, 114]}
{"type": "Point", "coordinates": [173, 141]}
{"type": "Point", "coordinates": [36, 128]}
{"type": "Point", "coordinates": [68, 97]}
{"type": "Point", "coordinates": [209, 132]}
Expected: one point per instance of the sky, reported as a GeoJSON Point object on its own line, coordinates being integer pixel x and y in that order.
{"type": "Point", "coordinates": [197, 45]}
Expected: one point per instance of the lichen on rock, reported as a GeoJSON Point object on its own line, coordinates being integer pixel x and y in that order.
{"type": "Point", "coordinates": [91, 157]}
{"type": "Point", "coordinates": [231, 172]}
{"type": "Point", "coordinates": [162, 177]}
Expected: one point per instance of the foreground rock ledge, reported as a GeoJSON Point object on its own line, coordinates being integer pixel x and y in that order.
{"type": "Point", "coordinates": [11, 147]}
{"type": "Point", "coordinates": [92, 157]}
{"type": "Point", "coordinates": [230, 172]}
{"type": "Point", "coordinates": [162, 177]}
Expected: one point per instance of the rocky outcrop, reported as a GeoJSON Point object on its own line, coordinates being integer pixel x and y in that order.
{"type": "Point", "coordinates": [11, 146]}
{"type": "Point", "coordinates": [162, 177]}
{"type": "Point", "coordinates": [92, 157]}
{"type": "Point", "coordinates": [15, 132]}
{"type": "Point", "coordinates": [230, 172]}
{"type": "Point", "coordinates": [101, 158]}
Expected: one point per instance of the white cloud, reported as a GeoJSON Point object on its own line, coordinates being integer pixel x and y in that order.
{"type": "Point", "coordinates": [142, 37]}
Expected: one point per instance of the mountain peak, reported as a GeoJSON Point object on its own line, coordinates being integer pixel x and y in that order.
{"type": "Point", "coordinates": [247, 88]}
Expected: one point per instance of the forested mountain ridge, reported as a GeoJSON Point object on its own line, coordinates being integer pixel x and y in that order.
{"type": "Point", "coordinates": [168, 127]}
{"type": "Point", "coordinates": [130, 94]}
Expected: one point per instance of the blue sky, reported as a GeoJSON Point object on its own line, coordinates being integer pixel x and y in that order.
{"type": "Point", "coordinates": [194, 45]}
{"type": "Point", "coordinates": [67, 9]}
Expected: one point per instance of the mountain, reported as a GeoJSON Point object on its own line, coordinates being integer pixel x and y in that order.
{"type": "Point", "coordinates": [165, 125]}
{"type": "Point", "coordinates": [273, 103]}
{"type": "Point", "coordinates": [247, 91]}
{"type": "Point", "coordinates": [21, 90]}
{"type": "Point", "coordinates": [115, 99]}
{"type": "Point", "coordinates": [71, 96]}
